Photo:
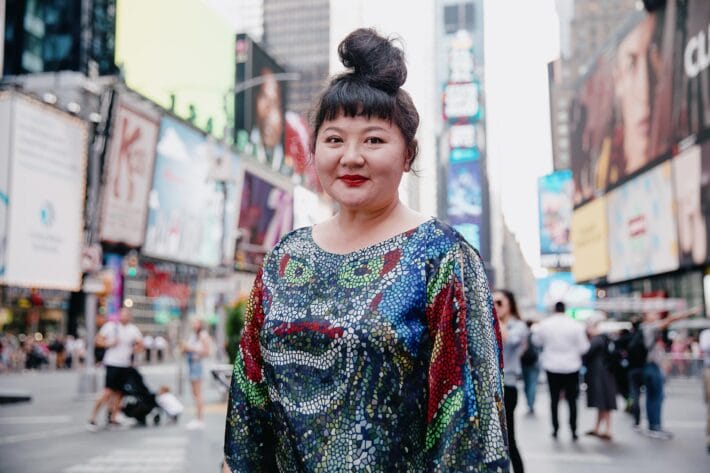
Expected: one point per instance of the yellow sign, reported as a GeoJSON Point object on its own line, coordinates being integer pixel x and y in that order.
{"type": "Point", "coordinates": [590, 246]}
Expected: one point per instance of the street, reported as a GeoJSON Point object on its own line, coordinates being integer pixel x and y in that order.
{"type": "Point", "coordinates": [48, 434]}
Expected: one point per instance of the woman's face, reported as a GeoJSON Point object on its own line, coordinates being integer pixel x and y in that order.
{"type": "Point", "coordinates": [268, 111]}
{"type": "Point", "coordinates": [360, 161]}
{"type": "Point", "coordinates": [502, 305]}
{"type": "Point", "coordinates": [637, 64]}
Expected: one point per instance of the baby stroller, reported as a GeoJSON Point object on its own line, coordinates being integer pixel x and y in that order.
{"type": "Point", "coordinates": [138, 401]}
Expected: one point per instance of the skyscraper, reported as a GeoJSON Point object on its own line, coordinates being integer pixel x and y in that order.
{"type": "Point", "coordinates": [296, 33]}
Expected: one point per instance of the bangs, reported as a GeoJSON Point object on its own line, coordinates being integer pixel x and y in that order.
{"type": "Point", "coordinates": [354, 98]}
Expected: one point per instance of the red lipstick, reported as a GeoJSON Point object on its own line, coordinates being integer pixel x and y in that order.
{"type": "Point", "coordinates": [353, 180]}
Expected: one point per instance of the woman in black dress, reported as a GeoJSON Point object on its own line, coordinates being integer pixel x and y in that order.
{"type": "Point", "coordinates": [601, 384]}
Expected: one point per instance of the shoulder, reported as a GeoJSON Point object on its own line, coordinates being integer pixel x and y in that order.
{"type": "Point", "coordinates": [293, 241]}
{"type": "Point", "coordinates": [443, 239]}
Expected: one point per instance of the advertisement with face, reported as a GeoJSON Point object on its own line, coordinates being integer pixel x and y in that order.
{"type": "Point", "coordinates": [185, 205]}
{"type": "Point", "coordinates": [465, 200]}
{"type": "Point", "coordinates": [47, 171]}
{"type": "Point", "coordinates": [265, 215]}
{"type": "Point", "coordinates": [129, 161]}
{"type": "Point", "coordinates": [555, 205]}
{"type": "Point", "coordinates": [691, 186]}
{"type": "Point", "coordinates": [259, 110]}
{"type": "Point", "coordinates": [642, 236]}
{"type": "Point", "coordinates": [620, 119]}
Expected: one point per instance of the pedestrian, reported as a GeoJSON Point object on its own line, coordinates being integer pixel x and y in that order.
{"type": "Point", "coordinates": [148, 345]}
{"type": "Point", "coordinates": [161, 347]}
{"type": "Point", "coordinates": [652, 329]}
{"type": "Point", "coordinates": [563, 341]}
{"type": "Point", "coordinates": [704, 344]}
{"type": "Point", "coordinates": [600, 380]}
{"type": "Point", "coordinates": [121, 340]}
{"type": "Point", "coordinates": [530, 364]}
{"type": "Point", "coordinates": [513, 333]}
{"type": "Point", "coordinates": [196, 348]}
{"type": "Point", "coordinates": [370, 342]}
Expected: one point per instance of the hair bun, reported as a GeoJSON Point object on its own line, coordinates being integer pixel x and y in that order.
{"type": "Point", "coordinates": [374, 59]}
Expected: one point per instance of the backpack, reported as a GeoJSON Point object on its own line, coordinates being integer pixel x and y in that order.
{"type": "Point", "coordinates": [529, 356]}
{"type": "Point", "coordinates": [637, 351]}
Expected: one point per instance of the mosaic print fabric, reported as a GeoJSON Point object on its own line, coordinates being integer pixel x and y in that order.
{"type": "Point", "coordinates": [384, 359]}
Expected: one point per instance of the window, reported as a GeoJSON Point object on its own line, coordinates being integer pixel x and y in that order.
{"type": "Point", "coordinates": [458, 17]}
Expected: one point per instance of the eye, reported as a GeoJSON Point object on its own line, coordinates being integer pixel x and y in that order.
{"type": "Point", "coordinates": [372, 140]}
{"type": "Point", "coordinates": [333, 139]}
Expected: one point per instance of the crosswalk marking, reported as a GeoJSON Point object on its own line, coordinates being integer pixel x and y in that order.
{"type": "Point", "coordinates": [154, 454]}
{"type": "Point", "coordinates": [26, 420]}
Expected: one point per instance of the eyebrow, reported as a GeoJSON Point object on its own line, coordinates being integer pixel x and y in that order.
{"type": "Point", "coordinates": [365, 130]}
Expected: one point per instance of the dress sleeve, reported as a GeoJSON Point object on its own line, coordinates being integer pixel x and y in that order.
{"type": "Point", "coordinates": [248, 443]}
{"type": "Point", "coordinates": [465, 414]}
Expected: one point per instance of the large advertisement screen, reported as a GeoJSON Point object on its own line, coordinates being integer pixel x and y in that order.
{"type": "Point", "coordinates": [555, 205]}
{"type": "Point", "coordinates": [465, 200]}
{"type": "Point", "coordinates": [642, 236]}
{"type": "Point", "coordinates": [47, 155]}
{"type": "Point", "coordinates": [265, 215]}
{"type": "Point", "coordinates": [180, 54]}
{"type": "Point", "coordinates": [560, 287]}
{"type": "Point", "coordinates": [260, 110]}
{"type": "Point", "coordinates": [129, 163]}
{"type": "Point", "coordinates": [641, 97]}
{"type": "Point", "coordinates": [185, 203]}
{"type": "Point", "coordinates": [589, 238]}
{"type": "Point", "coordinates": [691, 187]}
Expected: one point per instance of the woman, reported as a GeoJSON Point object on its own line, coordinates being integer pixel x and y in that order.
{"type": "Point", "coordinates": [196, 348]}
{"type": "Point", "coordinates": [514, 333]}
{"type": "Point", "coordinates": [370, 340]}
{"type": "Point", "coordinates": [601, 384]}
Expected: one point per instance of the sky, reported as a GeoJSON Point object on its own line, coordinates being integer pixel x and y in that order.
{"type": "Point", "coordinates": [521, 37]}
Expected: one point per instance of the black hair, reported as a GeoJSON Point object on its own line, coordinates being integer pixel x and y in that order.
{"type": "Point", "coordinates": [560, 307]}
{"type": "Point", "coordinates": [372, 87]}
{"type": "Point", "coordinates": [511, 301]}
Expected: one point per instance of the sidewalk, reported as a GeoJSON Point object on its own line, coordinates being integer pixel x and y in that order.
{"type": "Point", "coordinates": [48, 435]}
{"type": "Point", "coordinates": [683, 414]}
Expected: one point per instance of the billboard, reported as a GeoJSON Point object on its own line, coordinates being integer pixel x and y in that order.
{"type": "Point", "coordinates": [265, 215]}
{"type": "Point", "coordinates": [560, 287]}
{"type": "Point", "coordinates": [642, 236]}
{"type": "Point", "coordinates": [259, 110]}
{"type": "Point", "coordinates": [555, 206]}
{"type": "Point", "coordinates": [129, 169]}
{"type": "Point", "coordinates": [185, 204]}
{"type": "Point", "coordinates": [44, 169]}
{"type": "Point", "coordinates": [185, 64]}
{"type": "Point", "coordinates": [465, 200]}
{"type": "Point", "coordinates": [640, 98]}
{"type": "Point", "coordinates": [691, 189]}
{"type": "Point", "coordinates": [589, 238]}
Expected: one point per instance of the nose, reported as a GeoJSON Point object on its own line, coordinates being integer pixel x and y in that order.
{"type": "Point", "coordinates": [352, 155]}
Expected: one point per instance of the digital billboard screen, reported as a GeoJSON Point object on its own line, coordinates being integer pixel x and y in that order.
{"type": "Point", "coordinates": [555, 206]}
{"type": "Point", "coordinates": [642, 235]}
{"type": "Point", "coordinates": [641, 98]}
{"type": "Point", "coordinates": [185, 205]}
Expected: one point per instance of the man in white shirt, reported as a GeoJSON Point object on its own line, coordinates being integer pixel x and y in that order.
{"type": "Point", "coordinates": [121, 339]}
{"type": "Point", "coordinates": [563, 341]}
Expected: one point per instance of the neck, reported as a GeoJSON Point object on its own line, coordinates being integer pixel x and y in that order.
{"type": "Point", "coordinates": [348, 219]}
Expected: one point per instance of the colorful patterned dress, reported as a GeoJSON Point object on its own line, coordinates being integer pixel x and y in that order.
{"type": "Point", "coordinates": [385, 359]}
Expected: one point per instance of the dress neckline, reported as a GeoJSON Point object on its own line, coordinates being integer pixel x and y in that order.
{"type": "Point", "coordinates": [371, 247]}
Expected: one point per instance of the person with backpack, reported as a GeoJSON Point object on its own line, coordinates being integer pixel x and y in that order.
{"type": "Point", "coordinates": [530, 363]}
{"type": "Point", "coordinates": [650, 375]}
